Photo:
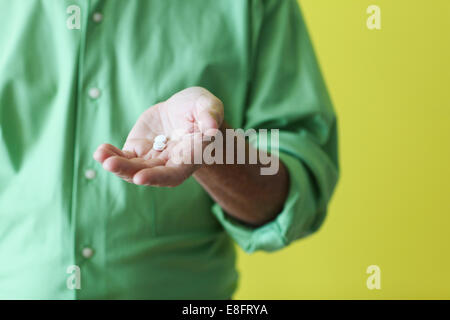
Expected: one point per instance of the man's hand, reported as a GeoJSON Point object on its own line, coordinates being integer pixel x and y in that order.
{"type": "Point", "coordinates": [193, 111]}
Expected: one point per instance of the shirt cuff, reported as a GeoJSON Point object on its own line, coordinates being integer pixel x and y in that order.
{"type": "Point", "coordinates": [291, 223]}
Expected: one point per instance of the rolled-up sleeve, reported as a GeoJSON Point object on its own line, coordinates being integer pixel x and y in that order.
{"type": "Point", "coordinates": [287, 92]}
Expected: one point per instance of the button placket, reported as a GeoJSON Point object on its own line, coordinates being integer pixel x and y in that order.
{"type": "Point", "coordinates": [97, 17]}
{"type": "Point", "coordinates": [94, 93]}
{"type": "Point", "coordinates": [90, 174]}
{"type": "Point", "coordinates": [87, 252]}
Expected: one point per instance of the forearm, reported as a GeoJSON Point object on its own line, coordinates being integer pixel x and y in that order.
{"type": "Point", "coordinates": [243, 192]}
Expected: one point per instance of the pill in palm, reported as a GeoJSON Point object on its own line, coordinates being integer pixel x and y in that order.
{"type": "Point", "coordinates": [161, 138]}
{"type": "Point", "coordinates": [159, 146]}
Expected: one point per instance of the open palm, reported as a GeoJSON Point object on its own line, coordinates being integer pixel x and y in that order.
{"type": "Point", "coordinates": [187, 114]}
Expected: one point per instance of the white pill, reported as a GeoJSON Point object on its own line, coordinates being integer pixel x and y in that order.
{"type": "Point", "coordinates": [159, 146]}
{"type": "Point", "coordinates": [161, 138]}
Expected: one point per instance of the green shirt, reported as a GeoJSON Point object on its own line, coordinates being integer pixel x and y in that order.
{"type": "Point", "coordinates": [64, 91]}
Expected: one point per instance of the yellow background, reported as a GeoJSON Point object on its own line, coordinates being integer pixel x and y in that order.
{"type": "Point", "coordinates": [391, 89]}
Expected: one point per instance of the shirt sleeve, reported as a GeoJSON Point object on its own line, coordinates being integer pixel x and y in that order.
{"type": "Point", "coordinates": [287, 92]}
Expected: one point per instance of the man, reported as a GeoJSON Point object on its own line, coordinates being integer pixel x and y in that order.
{"type": "Point", "coordinates": [77, 75]}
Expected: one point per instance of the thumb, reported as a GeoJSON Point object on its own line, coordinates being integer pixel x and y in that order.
{"type": "Point", "coordinates": [209, 114]}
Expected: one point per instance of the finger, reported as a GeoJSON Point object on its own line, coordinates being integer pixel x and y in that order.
{"type": "Point", "coordinates": [127, 168]}
{"type": "Point", "coordinates": [209, 114]}
{"type": "Point", "coordinates": [162, 154]}
{"type": "Point", "coordinates": [163, 176]}
{"type": "Point", "coordinates": [106, 150]}
{"type": "Point", "coordinates": [138, 147]}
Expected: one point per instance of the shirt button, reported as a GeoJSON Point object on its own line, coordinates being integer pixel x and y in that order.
{"type": "Point", "coordinates": [97, 17]}
{"type": "Point", "coordinates": [94, 93]}
{"type": "Point", "coordinates": [87, 252]}
{"type": "Point", "coordinates": [90, 174]}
